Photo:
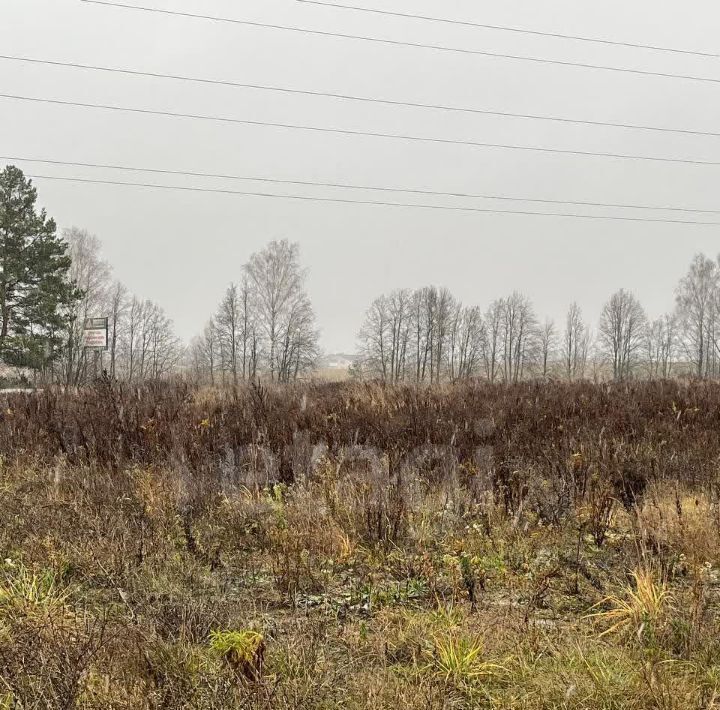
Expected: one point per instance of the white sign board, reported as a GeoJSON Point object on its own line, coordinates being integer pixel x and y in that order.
{"type": "Point", "coordinates": [95, 334]}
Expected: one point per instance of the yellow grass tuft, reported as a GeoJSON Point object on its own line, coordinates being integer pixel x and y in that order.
{"type": "Point", "coordinates": [460, 660]}
{"type": "Point", "coordinates": [636, 608]}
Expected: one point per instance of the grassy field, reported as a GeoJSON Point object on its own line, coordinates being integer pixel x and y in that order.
{"type": "Point", "coordinates": [355, 546]}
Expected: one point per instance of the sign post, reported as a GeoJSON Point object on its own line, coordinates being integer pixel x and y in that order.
{"type": "Point", "coordinates": [95, 338]}
{"type": "Point", "coordinates": [95, 334]}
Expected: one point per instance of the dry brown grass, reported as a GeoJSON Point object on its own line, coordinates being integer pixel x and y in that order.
{"type": "Point", "coordinates": [362, 547]}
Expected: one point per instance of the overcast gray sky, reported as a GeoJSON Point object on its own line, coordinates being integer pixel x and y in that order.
{"type": "Point", "coordinates": [182, 249]}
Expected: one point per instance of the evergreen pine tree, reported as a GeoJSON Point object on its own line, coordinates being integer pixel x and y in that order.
{"type": "Point", "coordinates": [35, 291]}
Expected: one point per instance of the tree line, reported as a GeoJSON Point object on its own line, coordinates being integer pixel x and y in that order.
{"type": "Point", "coordinates": [265, 327]}
{"type": "Point", "coordinates": [427, 335]}
{"type": "Point", "coordinates": [50, 284]}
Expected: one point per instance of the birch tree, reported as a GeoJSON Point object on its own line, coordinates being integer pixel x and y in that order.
{"type": "Point", "coordinates": [93, 276]}
{"type": "Point", "coordinates": [621, 332]}
{"type": "Point", "coordinates": [661, 346]}
{"type": "Point", "coordinates": [548, 344]}
{"type": "Point", "coordinates": [278, 284]}
{"type": "Point", "coordinates": [698, 311]}
{"type": "Point", "coordinates": [576, 342]}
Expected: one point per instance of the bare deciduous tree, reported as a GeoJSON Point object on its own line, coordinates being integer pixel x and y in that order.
{"type": "Point", "coordinates": [399, 317]}
{"type": "Point", "coordinates": [228, 328]}
{"type": "Point", "coordinates": [149, 346]}
{"type": "Point", "coordinates": [492, 343]}
{"type": "Point", "coordinates": [466, 342]}
{"type": "Point", "coordinates": [621, 332]}
{"type": "Point", "coordinates": [698, 311]}
{"type": "Point", "coordinates": [283, 309]}
{"type": "Point", "coordinates": [518, 335]}
{"type": "Point", "coordinates": [576, 343]}
{"type": "Point", "coordinates": [429, 336]}
{"type": "Point", "coordinates": [548, 345]}
{"type": "Point", "coordinates": [264, 324]}
{"type": "Point", "coordinates": [93, 276]}
{"type": "Point", "coordinates": [203, 353]}
{"type": "Point", "coordinates": [423, 335]}
{"type": "Point", "coordinates": [660, 344]}
{"type": "Point", "coordinates": [118, 308]}
{"type": "Point", "coordinates": [297, 350]}
{"type": "Point", "coordinates": [381, 353]}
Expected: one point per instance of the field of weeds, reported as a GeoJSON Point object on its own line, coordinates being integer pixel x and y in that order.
{"type": "Point", "coordinates": [358, 546]}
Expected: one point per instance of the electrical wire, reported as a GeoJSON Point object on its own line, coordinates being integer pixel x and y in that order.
{"type": "Point", "coordinates": [348, 186]}
{"type": "Point", "coordinates": [367, 134]}
{"type": "Point", "coordinates": [399, 43]}
{"type": "Point", "coordinates": [338, 200]}
{"type": "Point", "coordinates": [364, 99]}
{"type": "Point", "coordinates": [506, 28]}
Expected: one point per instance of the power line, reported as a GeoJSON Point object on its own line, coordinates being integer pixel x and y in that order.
{"type": "Point", "coordinates": [339, 200]}
{"type": "Point", "coordinates": [367, 134]}
{"type": "Point", "coordinates": [517, 30]}
{"type": "Point", "coordinates": [347, 186]}
{"type": "Point", "coordinates": [364, 99]}
{"type": "Point", "coordinates": [400, 43]}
